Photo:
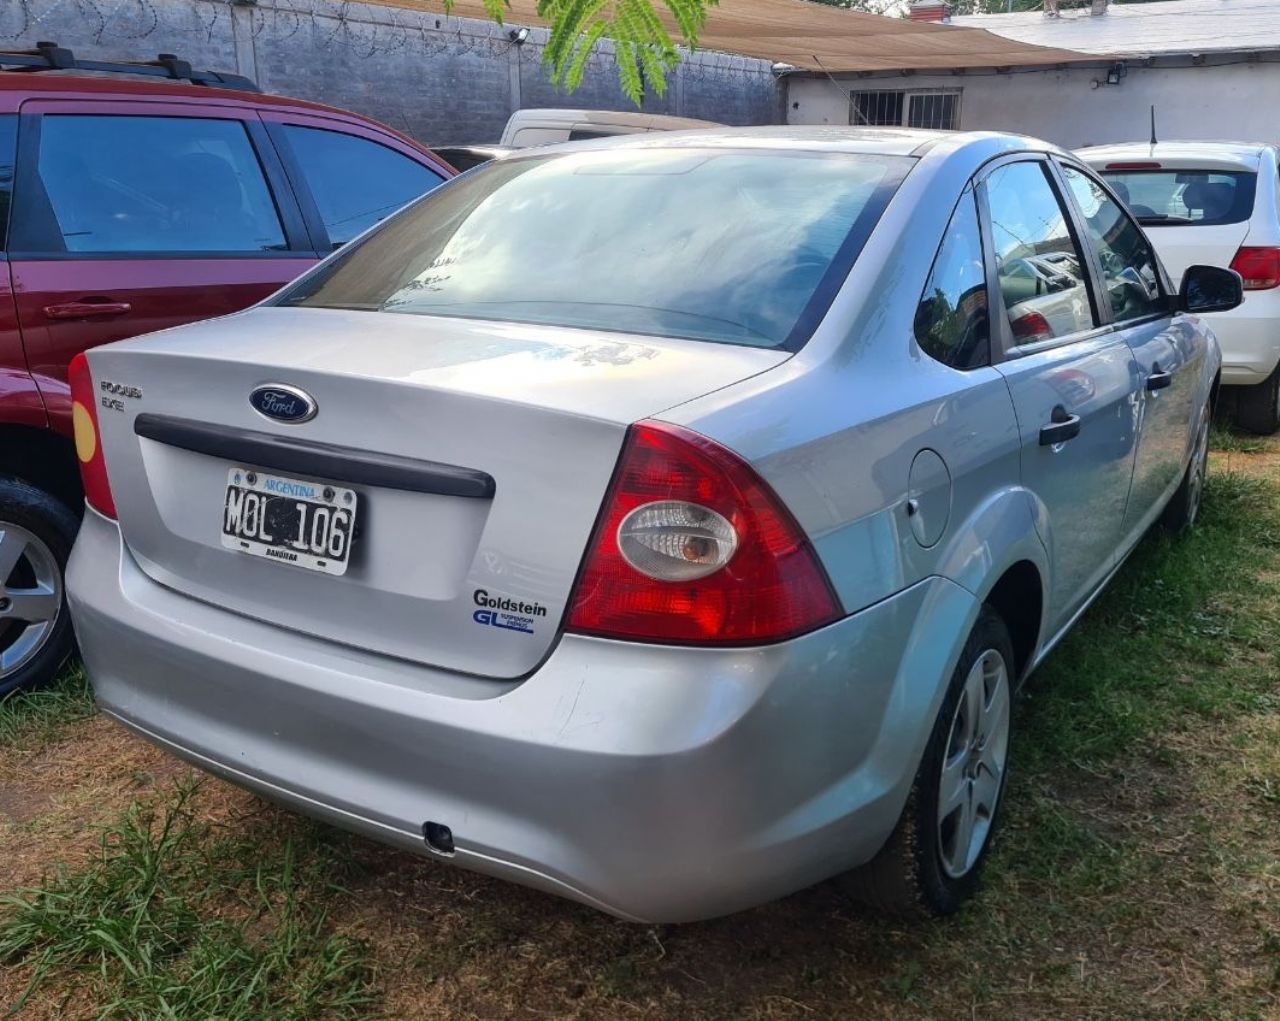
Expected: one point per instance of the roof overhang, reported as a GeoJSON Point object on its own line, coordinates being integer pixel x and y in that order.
{"type": "Point", "coordinates": [815, 37]}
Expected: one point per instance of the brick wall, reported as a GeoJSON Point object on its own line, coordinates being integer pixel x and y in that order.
{"type": "Point", "coordinates": [438, 78]}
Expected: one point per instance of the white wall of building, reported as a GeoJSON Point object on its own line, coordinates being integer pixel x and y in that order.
{"type": "Point", "coordinates": [1238, 101]}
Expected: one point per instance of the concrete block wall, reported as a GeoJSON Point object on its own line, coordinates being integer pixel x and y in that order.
{"type": "Point", "coordinates": [440, 79]}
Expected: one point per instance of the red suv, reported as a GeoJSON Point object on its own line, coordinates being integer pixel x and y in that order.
{"type": "Point", "coordinates": [127, 206]}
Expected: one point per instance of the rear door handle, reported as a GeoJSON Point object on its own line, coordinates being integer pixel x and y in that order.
{"type": "Point", "coordinates": [1159, 380]}
{"type": "Point", "coordinates": [1062, 426]}
{"type": "Point", "coordinates": [87, 309]}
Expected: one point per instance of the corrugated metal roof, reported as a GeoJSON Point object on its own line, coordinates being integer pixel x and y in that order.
{"type": "Point", "coordinates": [1168, 27]}
{"type": "Point", "coordinates": [816, 37]}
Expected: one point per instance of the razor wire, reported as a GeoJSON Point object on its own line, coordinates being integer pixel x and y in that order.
{"type": "Point", "coordinates": [367, 31]}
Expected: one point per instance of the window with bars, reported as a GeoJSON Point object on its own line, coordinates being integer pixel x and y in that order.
{"type": "Point", "coordinates": [921, 108]}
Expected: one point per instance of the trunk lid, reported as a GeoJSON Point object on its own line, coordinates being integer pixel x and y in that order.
{"type": "Point", "coordinates": [476, 582]}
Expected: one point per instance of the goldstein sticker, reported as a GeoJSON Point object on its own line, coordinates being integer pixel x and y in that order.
{"type": "Point", "coordinates": [506, 613]}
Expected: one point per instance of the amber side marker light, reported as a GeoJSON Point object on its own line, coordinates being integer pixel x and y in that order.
{"type": "Point", "coordinates": [84, 419]}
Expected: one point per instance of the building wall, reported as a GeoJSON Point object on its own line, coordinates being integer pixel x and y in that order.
{"type": "Point", "coordinates": [1223, 101]}
{"type": "Point", "coordinates": [437, 78]}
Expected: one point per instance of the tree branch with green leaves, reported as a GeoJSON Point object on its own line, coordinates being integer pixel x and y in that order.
{"type": "Point", "coordinates": [644, 50]}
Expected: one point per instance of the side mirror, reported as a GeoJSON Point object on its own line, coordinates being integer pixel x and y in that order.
{"type": "Point", "coordinates": [1210, 289]}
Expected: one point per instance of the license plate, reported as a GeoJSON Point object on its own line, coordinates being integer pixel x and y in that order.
{"type": "Point", "coordinates": [306, 524]}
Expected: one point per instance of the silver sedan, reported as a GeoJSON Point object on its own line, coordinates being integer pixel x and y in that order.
{"type": "Point", "coordinates": [664, 522]}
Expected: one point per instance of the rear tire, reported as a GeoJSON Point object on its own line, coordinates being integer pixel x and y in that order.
{"type": "Point", "coordinates": [1184, 507]}
{"type": "Point", "coordinates": [36, 534]}
{"type": "Point", "coordinates": [932, 862]}
{"type": "Point", "coordinates": [1258, 406]}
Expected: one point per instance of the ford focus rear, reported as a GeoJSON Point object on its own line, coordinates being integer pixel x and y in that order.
{"type": "Point", "coordinates": [662, 523]}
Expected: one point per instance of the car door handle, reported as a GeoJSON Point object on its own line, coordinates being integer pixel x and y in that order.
{"type": "Point", "coordinates": [87, 309]}
{"type": "Point", "coordinates": [1159, 380]}
{"type": "Point", "coordinates": [1062, 426]}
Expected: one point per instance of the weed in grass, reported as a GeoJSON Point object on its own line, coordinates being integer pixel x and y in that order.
{"type": "Point", "coordinates": [619, 978]}
{"type": "Point", "coordinates": [905, 982]}
{"type": "Point", "coordinates": [1264, 788]}
{"type": "Point", "coordinates": [176, 921]}
{"type": "Point", "coordinates": [1271, 950]}
{"type": "Point", "coordinates": [36, 717]}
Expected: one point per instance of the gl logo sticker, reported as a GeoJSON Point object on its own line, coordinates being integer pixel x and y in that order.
{"type": "Point", "coordinates": [507, 621]}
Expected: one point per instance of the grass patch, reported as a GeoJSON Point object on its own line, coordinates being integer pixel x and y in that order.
{"type": "Point", "coordinates": [1186, 627]}
{"type": "Point", "coordinates": [1224, 438]}
{"type": "Point", "coordinates": [36, 717]}
{"type": "Point", "coordinates": [176, 920]}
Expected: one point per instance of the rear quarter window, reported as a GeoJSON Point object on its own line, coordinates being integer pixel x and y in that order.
{"type": "Point", "coordinates": [952, 320]}
{"type": "Point", "coordinates": [1178, 198]}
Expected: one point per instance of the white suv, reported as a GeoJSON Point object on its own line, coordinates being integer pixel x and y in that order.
{"type": "Point", "coordinates": [1216, 203]}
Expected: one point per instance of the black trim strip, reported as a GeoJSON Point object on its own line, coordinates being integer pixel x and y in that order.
{"type": "Point", "coordinates": [307, 457]}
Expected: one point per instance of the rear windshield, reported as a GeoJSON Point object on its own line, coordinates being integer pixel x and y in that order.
{"type": "Point", "coordinates": [1175, 198]}
{"type": "Point", "coordinates": [725, 246]}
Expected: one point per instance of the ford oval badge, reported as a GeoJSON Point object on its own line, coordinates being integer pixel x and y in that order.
{"type": "Point", "coordinates": [282, 403]}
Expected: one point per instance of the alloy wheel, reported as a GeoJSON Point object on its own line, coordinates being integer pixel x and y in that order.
{"type": "Point", "coordinates": [30, 597]}
{"type": "Point", "coordinates": [973, 768]}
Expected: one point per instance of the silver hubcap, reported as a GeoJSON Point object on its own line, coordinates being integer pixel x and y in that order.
{"type": "Point", "coordinates": [30, 597]}
{"type": "Point", "coordinates": [973, 769]}
{"type": "Point", "coordinates": [1199, 468]}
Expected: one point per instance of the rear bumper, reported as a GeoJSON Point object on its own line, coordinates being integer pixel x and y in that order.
{"type": "Point", "coordinates": [658, 784]}
{"type": "Point", "coordinates": [1249, 337]}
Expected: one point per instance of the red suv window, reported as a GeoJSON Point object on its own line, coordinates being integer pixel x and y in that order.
{"type": "Point", "coordinates": [331, 160]}
{"type": "Point", "coordinates": [154, 184]}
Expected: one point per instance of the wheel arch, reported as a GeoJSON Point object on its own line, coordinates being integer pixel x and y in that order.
{"type": "Point", "coordinates": [1000, 555]}
{"type": "Point", "coordinates": [42, 459]}
{"type": "Point", "coordinates": [1018, 596]}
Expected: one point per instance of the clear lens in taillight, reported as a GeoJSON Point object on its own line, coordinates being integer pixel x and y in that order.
{"type": "Point", "coordinates": [673, 540]}
{"type": "Point", "coordinates": [692, 546]}
{"type": "Point", "coordinates": [84, 418]}
{"type": "Point", "coordinates": [1258, 267]}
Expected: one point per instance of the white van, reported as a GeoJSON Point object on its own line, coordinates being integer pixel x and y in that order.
{"type": "Point", "coordinates": [543, 127]}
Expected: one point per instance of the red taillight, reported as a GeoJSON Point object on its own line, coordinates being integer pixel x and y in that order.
{"type": "Point", "coordinates": [1260, 268]}
{"type": "Point", "coordinates": [84, 416]}
{"type": "Point", "coordinates": [693, 546]}
{"type": "Point", "coordinates": [1029, 328]}
{"type": "Point", "coordinates": [1134, 165]}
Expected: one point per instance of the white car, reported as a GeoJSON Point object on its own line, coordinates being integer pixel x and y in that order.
{"type": "Point", "coordinates": [1216, 203]}
{"type": "Point", "coordinates": [1055, 295]}
{"type": "Point", "coordinates": [528, 128]}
